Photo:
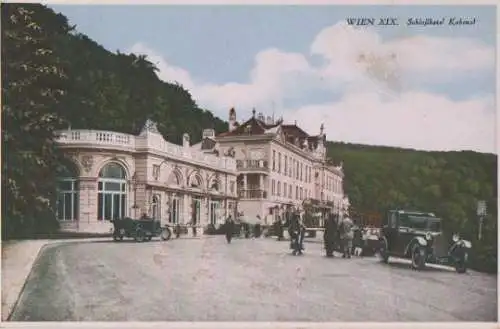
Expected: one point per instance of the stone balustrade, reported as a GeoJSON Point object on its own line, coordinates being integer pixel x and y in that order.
{"type": "Point", "coordinates": [120, 140]}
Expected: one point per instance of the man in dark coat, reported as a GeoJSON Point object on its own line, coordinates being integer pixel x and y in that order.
{"type": "Point", "coordinates": [294, 230]}
{"type": "Point", "coordinates": [229, 228]}
{"type": "Point", "coordinates": [329, 236]}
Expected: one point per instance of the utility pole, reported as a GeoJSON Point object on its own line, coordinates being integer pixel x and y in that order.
{"type": "Point", "coordinates": [481, 212]}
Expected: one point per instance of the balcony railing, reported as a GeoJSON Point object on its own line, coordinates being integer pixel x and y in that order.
{"type": "Point", "coordinates": [257, 165]}
{"type": "Point", "coordinates": [252, 194]}
{"type": "Point", "coordinates": [114, 139]}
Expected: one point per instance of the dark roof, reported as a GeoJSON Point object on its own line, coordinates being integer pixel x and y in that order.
{"type": "Point", "coordinates": [253, 126]}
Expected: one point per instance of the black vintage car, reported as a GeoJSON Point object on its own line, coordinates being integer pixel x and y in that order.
{"type": "Point", "coordinates": [139, 229]}
{"type": "Point", "coordinates": [418, 236]}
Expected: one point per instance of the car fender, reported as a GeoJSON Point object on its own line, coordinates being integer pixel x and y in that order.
{"type": "Point", "coordinates": [416, 240]}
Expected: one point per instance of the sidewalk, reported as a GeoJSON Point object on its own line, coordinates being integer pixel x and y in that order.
{"type": "Point", "coordinates": [18, 257]}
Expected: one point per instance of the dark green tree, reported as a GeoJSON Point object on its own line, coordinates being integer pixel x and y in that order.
{"type": "Point", "coordinates": [33, 89]}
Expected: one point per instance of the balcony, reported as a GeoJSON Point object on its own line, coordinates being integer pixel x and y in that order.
{"type": "Point", "coordinates": [252, 194]}
{"type": "Point", "coordinates": [252, 165]}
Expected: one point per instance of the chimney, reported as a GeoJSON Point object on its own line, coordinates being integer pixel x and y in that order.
{"type": "Point", "coordinates": [208, 133]}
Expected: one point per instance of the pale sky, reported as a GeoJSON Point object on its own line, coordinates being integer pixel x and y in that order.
{"type": "Point", "coordinates": [430, 88]}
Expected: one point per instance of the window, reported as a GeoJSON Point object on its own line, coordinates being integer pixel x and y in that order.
{"type": "Point", "coordinates": [301, 194]}
{"type": "Point", "coordinates": [112, 192]}
{"type": "Point", "coordinates": [285, 189]}
{"type": "Point", "coordinates": [274, 160]}
{"type": "Point", "coordinates": [301, 177]}
{"type": "Point", "coordinates": [67, 195]}
{"type": "Point", "coordinates": [286, 166]}
{"type": "Point", "coordinates": [155, 207]}
{"type": "Point", "coordinates": [214, 210]}
{"type": "Point", "coordinates": [290, 190]}
{"type": "Point", "coordinates": [231, 187]}
{"type": "Point", "coordinates": [175, 210]}
{"type": "Point", "coordinates": [279, 188]}
{"type": "Point", "coordinates": [297, 171]}
{"type": "Point", "coordinates": [296, 192]}
{"type": "Point", "coordinates": [156, 172]}
{"type": "Point", "coordinates": [273, 187]}
{"type": "Point", "coordinates": [279, 162]}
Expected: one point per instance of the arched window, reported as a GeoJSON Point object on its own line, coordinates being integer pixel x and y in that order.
{"type": "Point", "coordinates": [112, 192]}
{"type": "Point", "coordinates": [67, 194]}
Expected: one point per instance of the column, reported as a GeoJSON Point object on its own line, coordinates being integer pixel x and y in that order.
{"type": "Point", "coordinates": [87, 202]}
{"type": "Point", "coordinates": [186, 206]}
{"type": "Point", "coordinates": [245, 182]}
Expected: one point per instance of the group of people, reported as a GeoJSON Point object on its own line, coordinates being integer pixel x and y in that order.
{"type": "Point", "coordinates": [338, 235]}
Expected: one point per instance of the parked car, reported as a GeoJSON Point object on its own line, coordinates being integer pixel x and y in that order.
{"type": "Point", "coordinates": [418, 236]}
{"type": "Point", "coordinates": [139, 229]}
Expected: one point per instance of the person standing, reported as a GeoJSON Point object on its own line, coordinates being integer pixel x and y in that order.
{"type": "Point", "coordinates": [347, 236]}
{"type": "Point", "coordinates": [294, 230]}
{"type": "Point", "coordinates": [257, 227]}
{"type": "Point", "coordinates": [330, 235]}
{"type": "Point", "coordinates": [229, 228]}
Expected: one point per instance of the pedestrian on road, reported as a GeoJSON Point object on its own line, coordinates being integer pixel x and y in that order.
{"type": "Point", "coordinates": [229, 228]}
{"type": "Point", "coordinates": [257, 230]}
{"type": "Point", "coordinates": [330, 235]}
{"type": "Point", "coordinates": [346, 236]}
{"type": "Point", "coordinates": [294, 230]}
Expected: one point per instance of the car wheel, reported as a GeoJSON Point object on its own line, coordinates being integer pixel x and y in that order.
{"type": "Point", "coordinates": [165, 234]}
{"type": "Point", "coordinates": [418, 257]}
{"type": "Point", "coordinates": [461, 264]}
{"type": "Point", "coordinates": [382, 252]}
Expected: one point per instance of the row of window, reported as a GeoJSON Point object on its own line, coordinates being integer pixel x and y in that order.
{"type": "Point", "coordinates": [292, 168]}
{"type": "Point", "coordinates": [286, 190]}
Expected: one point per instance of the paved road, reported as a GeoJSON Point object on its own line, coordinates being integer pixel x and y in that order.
{"type": "Point", "coordinates": [249, 280]}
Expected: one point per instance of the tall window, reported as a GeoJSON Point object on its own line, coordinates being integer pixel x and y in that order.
{"type": "Point", "coordinates": [279, 188]}
{"type": "Point", "coordinates": [274, 160]}
{"type": "Point", "coordinates": [273, 186]}
{"type": "Point", "coordinates": [155, 207]}
{"type": "Point", "coordinates": [286, 166]}
{"type": "Point", "coordinates": [175, 210]}
{"type": "Point", "coordinates": [279, 162]}
{"type": "Point", "coordinates": [214, 210]}
{"type": "Point", "coordinates": [67, 195]}
{"type": "Point", "coordinates": [285, 189]}
{"type": "Point", "coordinates": [112, 192]}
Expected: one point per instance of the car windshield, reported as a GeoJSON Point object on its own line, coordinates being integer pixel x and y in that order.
{"type": "Point", "coordinates": [420, 222]}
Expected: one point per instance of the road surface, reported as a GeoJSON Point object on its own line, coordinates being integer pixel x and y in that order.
{"type": "Point", "coordinates": [248, 280]}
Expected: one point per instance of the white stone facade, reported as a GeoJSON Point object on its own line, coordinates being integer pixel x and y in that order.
{"type": "Point", "coordinates": [278, 165]}
{"type": "Point", "coordinates": [117, 175]}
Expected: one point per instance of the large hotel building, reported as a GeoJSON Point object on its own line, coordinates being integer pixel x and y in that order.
{"type": "Point", "coordinates": [255, 168]}
{"type": "Point", "coordinates": [278, 165]}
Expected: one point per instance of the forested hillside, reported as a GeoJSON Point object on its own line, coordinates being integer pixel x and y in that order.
{"type": "Point", "coordinates": [54, 77]}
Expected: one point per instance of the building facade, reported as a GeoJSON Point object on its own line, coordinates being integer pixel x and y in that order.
{"type": "Point", "coordinates": [278, 165]}
{"type": "Point", "coordinates": [113, 175]}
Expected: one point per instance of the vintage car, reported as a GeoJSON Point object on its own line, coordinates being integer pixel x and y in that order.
{"type": "Point", "coordinates": [139, 229]}
{"type": "Point", "coordinates": [418, 236]}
